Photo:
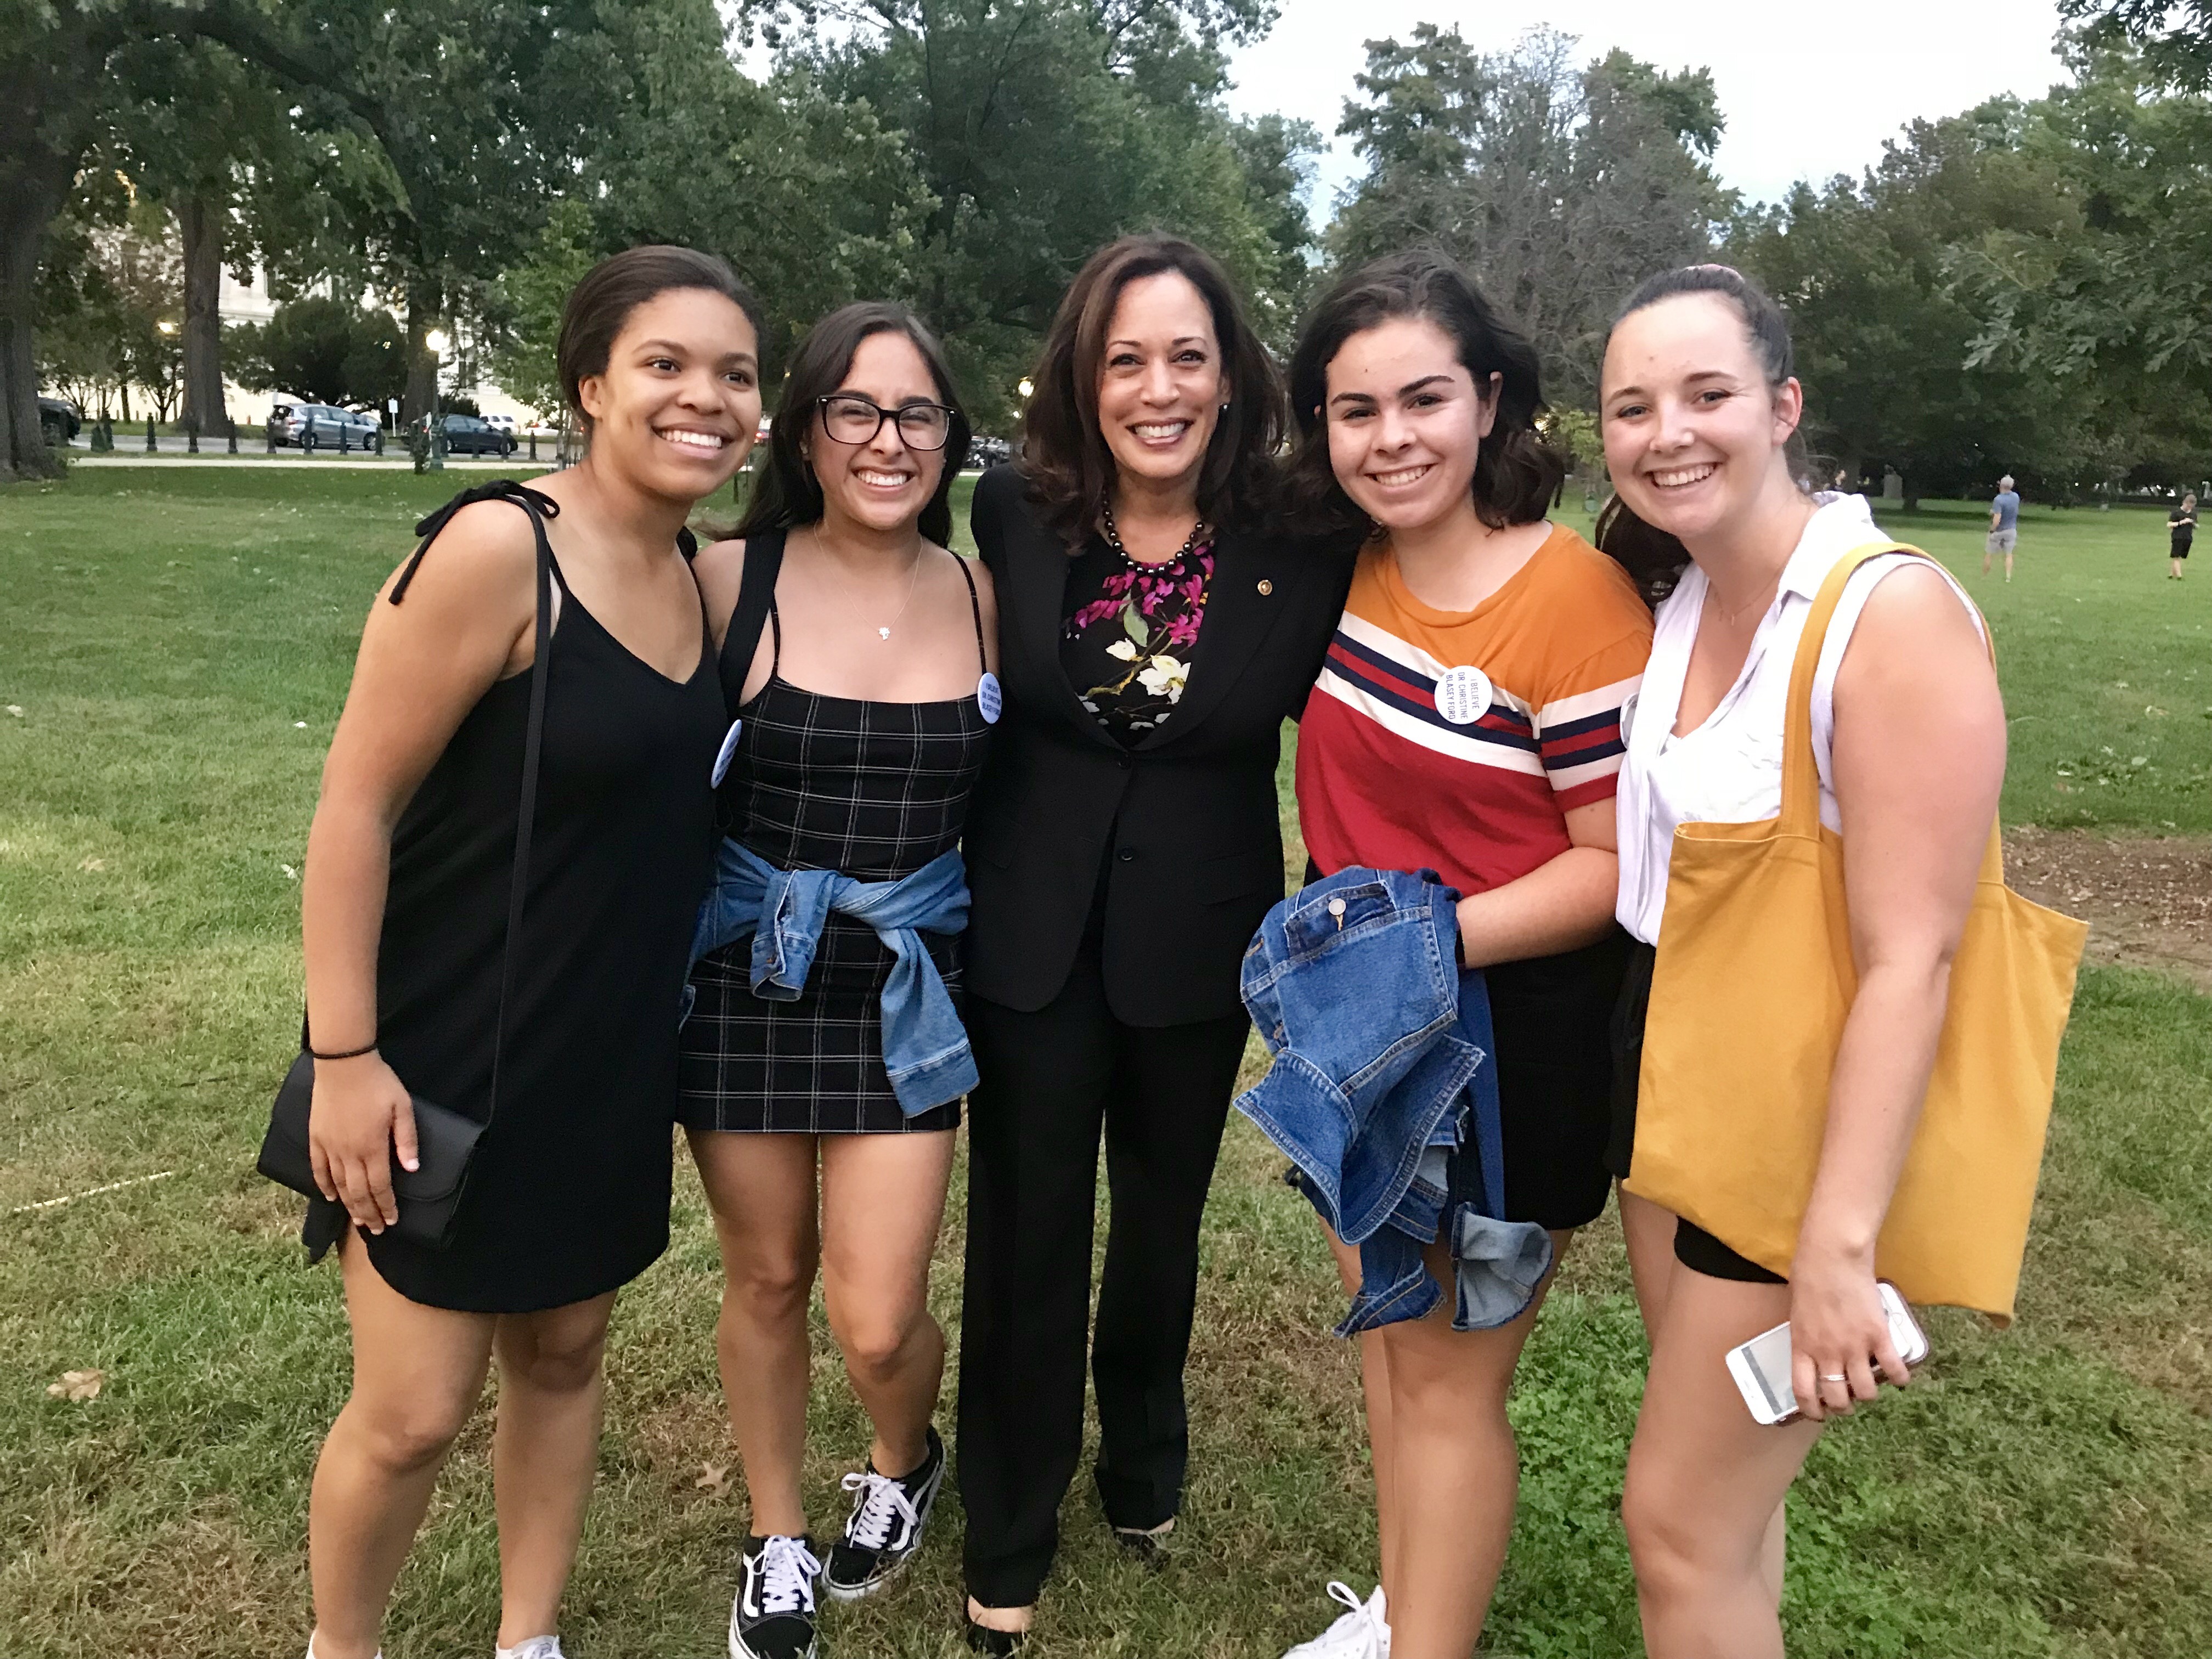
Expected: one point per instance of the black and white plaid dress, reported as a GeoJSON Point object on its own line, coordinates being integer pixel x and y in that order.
{"type": "Point", "coordinates": [873, 789]}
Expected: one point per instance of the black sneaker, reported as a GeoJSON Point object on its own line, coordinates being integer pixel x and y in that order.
{"type": "Point", "coordinates": [772, 1617]}
{"type": "Point", "coordinates": [884, 1528]}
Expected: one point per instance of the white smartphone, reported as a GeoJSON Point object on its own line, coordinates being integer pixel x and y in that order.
{"type": "Point", "coordinates": [1761, 1366]}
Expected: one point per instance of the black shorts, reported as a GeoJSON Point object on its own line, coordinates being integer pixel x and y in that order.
{"type": "Point", "coordinates": [1555, 1082]}
{"type": "Point", "coordinates": [1694, 1247]}
{"type": "Point", "coordinates": [1555, 1079]}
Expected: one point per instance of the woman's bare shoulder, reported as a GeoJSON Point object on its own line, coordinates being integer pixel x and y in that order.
{"type": "Point", "coordinates": [486, 552]}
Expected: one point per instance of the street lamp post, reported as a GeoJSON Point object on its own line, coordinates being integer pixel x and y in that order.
{"type": "Point", "coordinates": [436, 343]}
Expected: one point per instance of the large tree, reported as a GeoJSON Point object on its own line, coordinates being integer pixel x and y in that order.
{"type": "Point", "coordinates": [1040, 131]}
{"type": "Point", "coordinates": [1560, 183]}
{"type": "Point", "coordinates": [1885, 337]}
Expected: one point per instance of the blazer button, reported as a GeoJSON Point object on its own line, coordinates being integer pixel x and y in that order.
{"type": "Point", "coordinates": [1266, 587]}
{"type": "Point", "coordinates": [1127, 856]}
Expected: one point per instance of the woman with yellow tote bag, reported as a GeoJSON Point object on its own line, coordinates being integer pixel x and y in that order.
{"type": "Point", "coordinates": [1806, 823]}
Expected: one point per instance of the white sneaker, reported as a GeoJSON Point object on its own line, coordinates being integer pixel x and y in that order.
{"type": "Point", "coordinates": [537, 1647]}
{"type": "Point", "coordinates": [1360, 1632]}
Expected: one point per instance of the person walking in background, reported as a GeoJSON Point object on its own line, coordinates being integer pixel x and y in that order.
{"type": "Point", "coordinates": [1123, 845]}
{"type": "Point", "coordinates": [1700, 408]}
{"type": "Point", "coordinates": [409, 952]}
{"type": "Point", "coordinates": [2181, 529]}
{"type": "Point", "coordinates": [820, 1091]}
{"type": "Point", "coordinates": [2004, 526]}
{"type": "Point", "coordinates": [1468, 721]}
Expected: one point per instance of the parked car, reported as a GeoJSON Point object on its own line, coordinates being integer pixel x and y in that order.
{"type": "Point", "coordinates": [471, 434]}
{"type": "Point", "coordinates": [984, 451]}
{"type": "Point", "coordinates": [501, 423]}
{"type": "Point", "coordinates": [58, 420]}
{"type": "Point", "coordinates": [322, 426]}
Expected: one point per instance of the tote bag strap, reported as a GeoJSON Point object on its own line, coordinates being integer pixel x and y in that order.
{"type": "Point", "coordinates": [1801, 772]}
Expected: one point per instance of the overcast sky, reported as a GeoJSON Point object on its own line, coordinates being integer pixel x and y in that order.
{"type": "Point", "coordinates": [1809, 91]}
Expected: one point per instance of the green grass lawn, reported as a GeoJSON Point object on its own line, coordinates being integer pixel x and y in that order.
{"type": "Point", "coordinates": [178, 644]}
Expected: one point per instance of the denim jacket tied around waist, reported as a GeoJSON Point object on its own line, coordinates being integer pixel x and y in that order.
{"type": "Point", "coordinates": [784, 911]}
{"type": "Point", "coordinates": [1384, 1093]}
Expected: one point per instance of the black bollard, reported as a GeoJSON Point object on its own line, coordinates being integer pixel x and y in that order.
{"type": "Point", "coordinates": [307, 439]}
{"type": "Point", "coordinates": [233, 424]}
{"type": "Point", "coordinates": [533, 443]}
{"type": "Point", "coordinates": [149, 434]}
{"type": "Point", "coordinates": [344, 434]}
{"type": "Point", "coordinates": [192, 436]}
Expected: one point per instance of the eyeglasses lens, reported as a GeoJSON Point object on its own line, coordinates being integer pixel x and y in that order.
{"type": "Point", "coordinates": [857, 421]}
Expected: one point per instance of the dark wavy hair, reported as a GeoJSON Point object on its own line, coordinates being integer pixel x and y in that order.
{"type": "Point", "coordinates": [1064, 460]}
{"type": "Point", "coordinates": [1516, 473]}
{"type": "Point", "coordinates": [786, 492]}
{"type": "Point", "coordinates": [1655, 559]}
{"type": "Point", "coordinates": [602, 299]}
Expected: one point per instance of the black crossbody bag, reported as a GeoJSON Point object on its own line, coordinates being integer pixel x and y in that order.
{"type": "Point", "coordinates": [430, 1196]}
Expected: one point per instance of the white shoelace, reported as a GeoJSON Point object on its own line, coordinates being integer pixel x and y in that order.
{"type": "Point", "coordinates": [786, 1578]}
{"type": "Point", "coordinates": [884, 1502]}
{"type": "Point", "coordinates": [1358, 1630]}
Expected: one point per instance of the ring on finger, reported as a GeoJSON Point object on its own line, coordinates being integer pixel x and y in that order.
{"type": "Point", "coordinates": [1838, 1377]}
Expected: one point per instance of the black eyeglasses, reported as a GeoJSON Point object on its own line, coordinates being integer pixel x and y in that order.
{"type": "Point", "coordinates": [852, 419]}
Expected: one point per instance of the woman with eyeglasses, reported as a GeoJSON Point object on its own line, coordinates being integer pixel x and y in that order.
{"type": "Point", "coordinates": [823, 1059]}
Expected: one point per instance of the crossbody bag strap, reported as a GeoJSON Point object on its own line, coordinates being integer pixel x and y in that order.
{"type": "Point", "coordinates": [534, 744]}
{"type": "Point", "coordinates": [756, 594]}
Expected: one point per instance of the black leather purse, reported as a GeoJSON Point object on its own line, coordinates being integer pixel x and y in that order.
{"type": "Point", "coordinates": [430, 1196]}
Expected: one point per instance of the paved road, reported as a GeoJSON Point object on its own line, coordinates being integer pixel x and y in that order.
{"type": "Point", "coordinates": [128, 444]}
{"type": "Point", "coordinates": [283, 459]}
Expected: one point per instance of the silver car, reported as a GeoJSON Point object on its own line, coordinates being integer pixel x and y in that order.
{"type": "Point", "coordinates": [323, 426]}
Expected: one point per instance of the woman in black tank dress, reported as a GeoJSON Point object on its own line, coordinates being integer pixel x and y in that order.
{"type": "Point", "coordinates": [407, 886]}
{"type": "Point", "coordinates": [856, 654]}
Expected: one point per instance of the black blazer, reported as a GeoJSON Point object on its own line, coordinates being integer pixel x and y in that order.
{"type": "Point", "coordinates": [1185, 823]}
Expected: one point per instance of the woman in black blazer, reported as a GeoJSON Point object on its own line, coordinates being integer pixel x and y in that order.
{"type": "Point", "coordinates": [1122, 846]}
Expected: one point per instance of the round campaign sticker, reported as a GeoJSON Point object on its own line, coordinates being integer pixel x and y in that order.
{"type": "Point", "coordinates": [1628, 717]}
{"type": "Point", "coordinates": [988, 698]}
{"type": "Point", "coordinates": [723, 756]}
{"type": "Point", "coordinates": [1463, 695]}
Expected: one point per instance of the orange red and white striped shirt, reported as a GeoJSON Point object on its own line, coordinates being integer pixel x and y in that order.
{"type": "Point", "coordinates": [1458, 741]}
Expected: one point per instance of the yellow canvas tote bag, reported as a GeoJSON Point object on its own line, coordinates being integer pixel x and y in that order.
{"type": "Point", "coordinates": [1752, 983]}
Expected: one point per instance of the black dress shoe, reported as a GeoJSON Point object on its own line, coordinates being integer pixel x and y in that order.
{"type": "Point", "coordinates": [1149, 1548]}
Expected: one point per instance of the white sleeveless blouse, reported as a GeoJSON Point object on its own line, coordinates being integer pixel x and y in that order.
{"type": "Point", "coordinates": [1729, 770]}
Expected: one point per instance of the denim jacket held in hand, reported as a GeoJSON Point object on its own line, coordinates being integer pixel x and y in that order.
{"type": "Point", "coordinates": [1383, 1059]}
{"type": "Point", "coordinates": [925, 1045]}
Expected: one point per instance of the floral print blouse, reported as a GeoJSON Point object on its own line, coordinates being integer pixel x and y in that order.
{"type": "Point", "coordinates": [1132, 630]}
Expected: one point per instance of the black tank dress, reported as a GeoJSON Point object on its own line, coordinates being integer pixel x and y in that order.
{"type": "Point", "coordinates": [873, 789]}
{"type": "Point", "coordinates": [568, 1196]}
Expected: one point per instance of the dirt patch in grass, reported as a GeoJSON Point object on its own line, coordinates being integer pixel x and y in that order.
{"type": "Point", "coordinates": [2147, 899]}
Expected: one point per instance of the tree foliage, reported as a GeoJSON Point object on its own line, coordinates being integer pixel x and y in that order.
{"type": "Point", "coordinates": [2176, 40]}
{"type": "Point", "coordinates": [1040, 131]}
{"type": "Point", "coordinates": [2022, 289]}
{"type": "Point", "coordinates": [324, 350]}
{"type": "Point", "coordinates": [1558, 184]}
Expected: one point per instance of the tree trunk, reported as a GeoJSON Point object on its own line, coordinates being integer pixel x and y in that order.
{"type": "Point", "coordinates": [31, 190]}
{"type": "Point", "coordinates": [423, 303]}
{"type": "Point", "coordinates": [201, 222]}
